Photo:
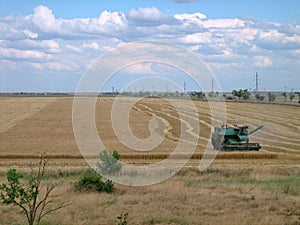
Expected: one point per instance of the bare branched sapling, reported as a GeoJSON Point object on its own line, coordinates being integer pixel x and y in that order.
{"type": "Point", "coordinates": [28, 196]}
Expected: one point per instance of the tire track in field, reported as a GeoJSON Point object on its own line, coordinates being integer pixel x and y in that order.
{"type": "Point", "coordinates": [278, 145]}
{"type": "Point", "coordinates": [270, 132]}
{"type": "Point", "coordinates": [189, 128]}
{"type": "Point", "coordinates": [266, 118]}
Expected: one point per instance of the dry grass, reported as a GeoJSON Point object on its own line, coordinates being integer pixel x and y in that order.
{"type": "Point", "coordinates": [224, 194]}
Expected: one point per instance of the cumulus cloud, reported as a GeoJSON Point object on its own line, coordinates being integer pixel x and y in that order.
{"type": "Point", "coordinates": [149, 17]}
{"type": "Point", "coordinates": [195, 17]}
{"type": "Point", "coordinates": [275, 40]}
{"type": "Point", "coordinates": [44, 19]}
{"type": "Point", "coordinates": [42, 41]}
{"type": "Point", "coordinates": [139, 68]}
{"type": "Point", "coordinates": [10, 53]}
{"type": "Point", "coordinates": [198, 38]}
{"type": "Point", "coordinates": [263, 61]}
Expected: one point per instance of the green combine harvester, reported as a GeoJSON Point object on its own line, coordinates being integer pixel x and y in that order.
{"type": "Point", "coordinates": [234, 138]}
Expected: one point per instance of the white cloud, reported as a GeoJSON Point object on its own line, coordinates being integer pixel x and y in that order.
{"type": "Point", "coordinates": [263, 61]}
{"type": "Point", "coordinates": [223, 23]}
{"type": "Point", "coordinates": [149, 17]}
{"type": "Point", "coordinates": [11, 53]}
{"type": "Point", "coordinates": [44, 19]}
{"type": "Point", "coordinates": [56, 66]}
{"type": "Point", "coordinates": [91, 45]}
{"type": "Point", "coordinates": [116, 19]}
{"type": "Point", "coordinates": [139, 68]}
{"type": "Point", "coordinates": [195, 17]}
{"type": "Point", "coordinates": [275, 40]}
{"type": "Point", "coordinates": [30, 34]}
{"type": "Point", "coordinates": [197, 38]}
{"type": "Point", "coordinates": [41, 41]}
{"type": "Point", "coordinates": [73, 48]}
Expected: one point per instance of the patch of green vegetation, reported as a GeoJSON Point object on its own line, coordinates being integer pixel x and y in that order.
{"type": "Point", "coordinates": [50, 223]}
{"type": "Point", "coordinates": [58, 174]}
{"type": "Point", "coordinates": [92, 181]}
{"type": "Point", "coordinates": [109, 202]}
{"type": "Point", "coordinates": [172, 220]}
{"type": "Point", "coordinates": [287, 185]}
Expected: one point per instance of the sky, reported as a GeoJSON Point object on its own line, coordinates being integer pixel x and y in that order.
{"type": "Point", "coordinates": [47, 46]}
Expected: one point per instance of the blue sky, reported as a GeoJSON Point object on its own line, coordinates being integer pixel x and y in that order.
{"type": "Point", "coordinates": [48, 45]}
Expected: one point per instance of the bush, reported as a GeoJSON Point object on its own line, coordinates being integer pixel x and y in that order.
{"type": "Point", "coordinates": [92, 181]}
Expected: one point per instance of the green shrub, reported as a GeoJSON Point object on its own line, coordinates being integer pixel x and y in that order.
{"type": "Point", "coordinates": [110, 163]}
{"type": "Point", "coordinates": [92, 181]}
{"type": "Point", "coordinates": [116, 155]}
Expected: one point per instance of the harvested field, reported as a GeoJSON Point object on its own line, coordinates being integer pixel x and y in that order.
{"type": "Point", "coordinates": [238, 188]}
{"type": "Point", "coordinates": [30, 126]}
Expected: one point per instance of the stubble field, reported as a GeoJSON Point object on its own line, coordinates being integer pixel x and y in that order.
{"type": "Point", "coordinates": [238, 188]}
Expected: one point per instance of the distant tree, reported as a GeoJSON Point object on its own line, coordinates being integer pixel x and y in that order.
{"type": "Point", "coordinates": [271, 97]}
{"type": "Point", "coordinates": [298, 93]}
{"type": "Point", "coordinates": [241, 94]}
{"type": "Point", "coordinates": [292, 96]}
{"type": "Point", "coordinates": [237, 93]}
{"type": "Point", "coordinates": [246, 94]}
{"type": "Point", "coordinates": [197, 94]}
{"type": "Point", "coordinates": [284, 94]}
{"type": "Point", "coordinates": [259, 97]}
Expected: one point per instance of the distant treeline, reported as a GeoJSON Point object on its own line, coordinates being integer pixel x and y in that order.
{"type": "Point", "coordinates": [36, 93]}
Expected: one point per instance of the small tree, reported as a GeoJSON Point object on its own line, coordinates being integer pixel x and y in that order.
{"type": "Point", "coordinates": [110, 164]}
{"type": "Point", "coordinates": [292, 96]}
{"type": "Point", "coordinates": [284, 94]}
{"type": "Point", "coordinates": [237, 93]}
{"type": "Point", "coordinates": [298, 93]}
{"type": "Point", "coordinates": [246, 94]}
{"type": "Point", "coordinates": [271, 97]}
{"type": "Point", "coordinates": [259, 97]}
{"type": "Point", "coordinates": [241, 94]}
{"type": "Point", "coordinates": [28, 196]}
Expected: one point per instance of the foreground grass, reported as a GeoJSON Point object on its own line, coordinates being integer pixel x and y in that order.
{"type": "Point", "coordinates": [220, 195]}
{"type": "Point", "coordinates": [287, 185]}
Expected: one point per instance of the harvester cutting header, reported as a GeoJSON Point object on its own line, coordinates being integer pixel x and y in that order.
{"type": "Point", "coordinates": [234, 138]}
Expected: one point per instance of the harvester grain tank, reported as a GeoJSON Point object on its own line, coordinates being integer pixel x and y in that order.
{"type": "Point", "coordinates": [234, 138]}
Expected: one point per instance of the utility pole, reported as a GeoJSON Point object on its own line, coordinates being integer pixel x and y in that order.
{"type": "Point", "coordinates": [256, 82]}
{"type": "Point", "coordinates": [212, 85]}
{"type": "Point", "coordinates": [184, 87]}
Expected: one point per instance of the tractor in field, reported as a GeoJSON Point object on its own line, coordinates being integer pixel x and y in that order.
{"type": "Point", "coordinates": [235, 138]}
